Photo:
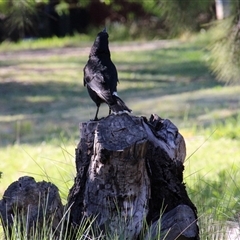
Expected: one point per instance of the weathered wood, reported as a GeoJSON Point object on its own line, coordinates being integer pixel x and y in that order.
{"type": "Point", "coordinates": [179, 223]}
{"type": "Point", "coordinates": [165, 157]}
{"type": "Point", "coordinates": [116, 181]}
{"type": "Point", "coordinates": [130, 169]}
{"type": "Point", "coordinates": [28, 207]}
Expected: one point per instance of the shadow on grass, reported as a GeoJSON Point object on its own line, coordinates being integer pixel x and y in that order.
{"type": "Point", "coordinates": [54, 102]}
{"type": "Point", "coordinates": [37, 112]}
{"type": "Point", "coordinates": [144, 75]}
{"type": "Point", "coordinates": [182, 61]}
{"type": "Point", "coordinates": [167, 71]}
{"type": "Point", "coordinates": [8, 63]}
{"type": "Point", "coordinates": [37, 97]}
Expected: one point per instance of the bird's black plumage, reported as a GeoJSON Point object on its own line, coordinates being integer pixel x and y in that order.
{"type": "Point", "coordinates": [100, 76]}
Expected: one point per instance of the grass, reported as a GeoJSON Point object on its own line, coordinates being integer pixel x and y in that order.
{"type": "Point", "coordinates": [42, 102]}
{"type": "Point", "coordinates": [45, 43]}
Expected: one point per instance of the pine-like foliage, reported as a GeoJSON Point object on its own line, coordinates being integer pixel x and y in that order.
{"type": "Point", "coordinates": [20, 16]}
{"type": "Point", "coordinates": [180, 15]}
{"type": "Point", "coordinates": [225, 51]}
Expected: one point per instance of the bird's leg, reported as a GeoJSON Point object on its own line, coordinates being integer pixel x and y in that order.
{"type": "Point", "coordinates": [95, 118]}
{"type": "Point", "coordinates": [109, 111]}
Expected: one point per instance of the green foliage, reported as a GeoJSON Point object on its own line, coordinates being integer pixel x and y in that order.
{"type": "Point", "coordinates": [20, 16]}
{"type": "Point", "coordinates": [62, 8]}
{"type": "Point", "coordinates": [225, 50]}
{"type": "Point", "coordinates": [179, 16]}
{"type": "Point", "coordinates": [142, 19]}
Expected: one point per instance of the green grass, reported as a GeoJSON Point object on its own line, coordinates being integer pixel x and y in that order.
{"type": "Point", "coordinates": [42, 102]}
{"type": "Point", "coordinates": [52, 162]}
{"type": "Point", "coordinates": [45, 43]}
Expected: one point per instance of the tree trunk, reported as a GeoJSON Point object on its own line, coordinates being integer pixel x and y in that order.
{"type": "Point", "coordinates": [129, 173]}
{"type": "Point", "coordinates": [223, 9]}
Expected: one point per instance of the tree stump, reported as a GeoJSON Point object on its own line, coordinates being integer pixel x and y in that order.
{"type": "Point", "coordinates": [31, 210]}
{"type": "Point", "coordinates": [129, 173]}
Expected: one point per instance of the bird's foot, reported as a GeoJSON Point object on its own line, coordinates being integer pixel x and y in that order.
{"type": "Point", "coordinates": [96, 119]}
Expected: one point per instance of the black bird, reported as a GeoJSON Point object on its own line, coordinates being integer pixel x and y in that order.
{"type": "Point", "coordinates": [100, 76]}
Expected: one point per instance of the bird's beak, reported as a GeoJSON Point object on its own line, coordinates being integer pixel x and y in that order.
{"type": "Point", "coordinates": [104, 30]}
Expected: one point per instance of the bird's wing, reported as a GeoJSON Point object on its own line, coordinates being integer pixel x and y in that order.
{"type": "Point", "coordinates": [98, 84]}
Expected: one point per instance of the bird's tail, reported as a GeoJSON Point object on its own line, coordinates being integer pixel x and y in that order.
{"type": "Point", "coordinates": [119, 105]}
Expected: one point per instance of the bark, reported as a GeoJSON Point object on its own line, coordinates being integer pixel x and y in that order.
{"type": "Point", "coordinates": [130, 169]}
{"type": "Point", "coordinates": [28, 207]}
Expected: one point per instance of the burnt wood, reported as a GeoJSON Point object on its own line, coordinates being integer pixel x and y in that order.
{"type": "Point", "coordinates": [28, 207]}
{"type": "Point", "coordinates": [129, 172]}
